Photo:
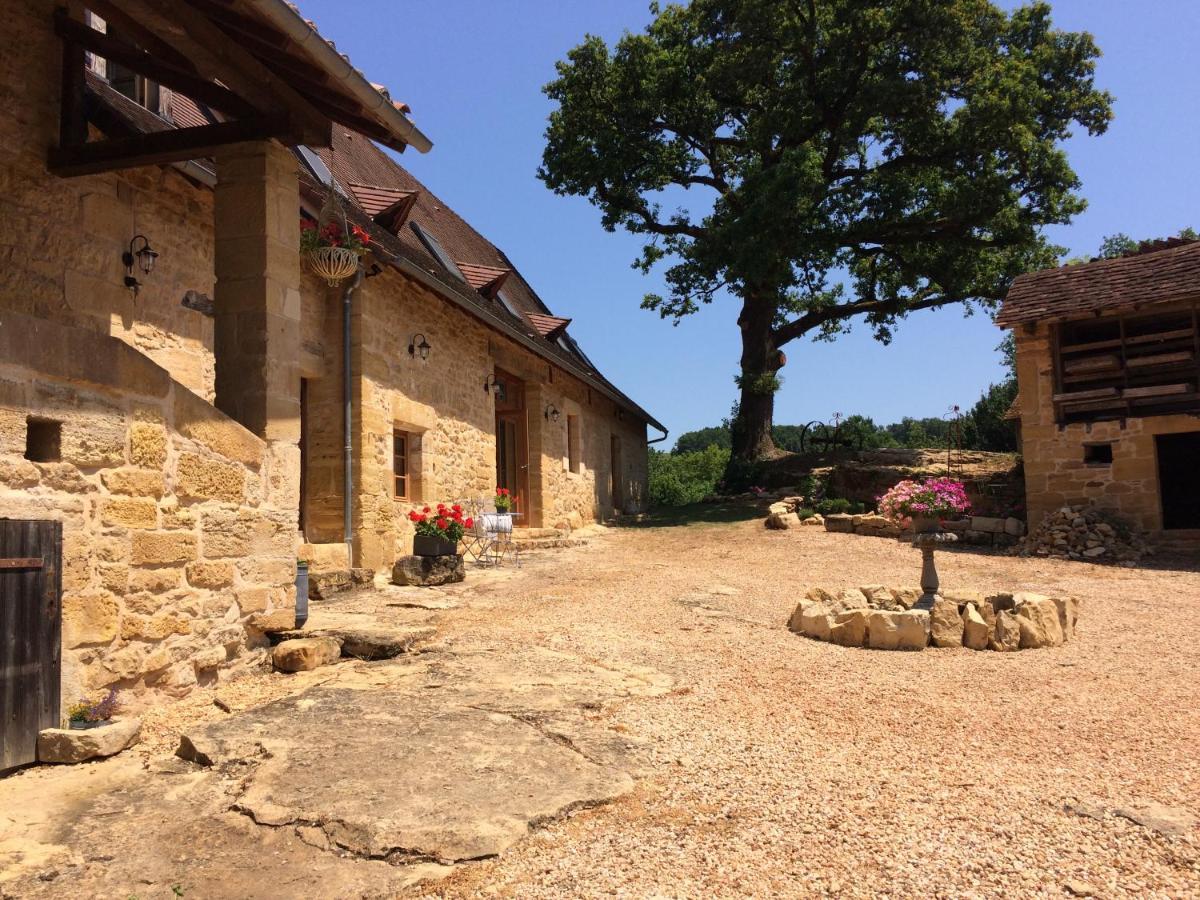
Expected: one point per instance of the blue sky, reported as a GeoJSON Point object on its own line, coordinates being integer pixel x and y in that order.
{"type": "Point", "coordinates": [472, 70]}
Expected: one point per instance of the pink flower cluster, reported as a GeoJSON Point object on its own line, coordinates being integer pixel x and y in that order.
{"type": "Point", "coordinates": [938, 498]}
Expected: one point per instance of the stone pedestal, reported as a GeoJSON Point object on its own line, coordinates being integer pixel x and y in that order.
{"type": "Point", "coordinates": [428, 571]}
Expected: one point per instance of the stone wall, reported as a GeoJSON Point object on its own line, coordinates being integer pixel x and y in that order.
{"type": "Point", "coordinates": [174, 547]}
{"type": "Point", "coordinates": [1055, 472]}
{"type": "Point", "coordinates": [441, 403]}
{"type": "Point", "coordinates": [61, 239]}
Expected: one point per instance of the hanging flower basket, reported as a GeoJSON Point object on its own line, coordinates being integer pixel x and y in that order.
{"type": "Point", "coordinates": [334, 264]}
{"type": "Point", "coordinates": [331, 247]}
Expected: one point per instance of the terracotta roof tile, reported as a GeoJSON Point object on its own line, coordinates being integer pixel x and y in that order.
{"type": "Point", "coordinates": [486, 279]}
{"type": "Point", "coordinates": [1157, 276]}
{"type": "Point", "coordinates": [548, 327]}
{"type": "Point", "coordinates": [375, 200]}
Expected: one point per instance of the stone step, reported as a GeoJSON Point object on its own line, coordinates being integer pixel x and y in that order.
{"type": "Point", "coordinates": [521, 533]}
{"type": "Point", "coordinates": [526, 545]}
{"type": "Point", "coordinates": [324, 585]}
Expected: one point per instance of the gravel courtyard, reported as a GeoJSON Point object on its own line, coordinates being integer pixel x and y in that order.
{"type": "Point", "coordinates": [781, 766]}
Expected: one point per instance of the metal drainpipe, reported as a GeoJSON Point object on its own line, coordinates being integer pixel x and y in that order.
{"type": "Point", "coordinates": [348, 421]}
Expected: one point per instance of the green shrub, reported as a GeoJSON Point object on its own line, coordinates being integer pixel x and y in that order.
{"type": "Point", "coordinates": [677, 479]}
{"type": "Point", "coordinates": [839, 505]}
{"type": "Point", "coordinates": [805, 513]}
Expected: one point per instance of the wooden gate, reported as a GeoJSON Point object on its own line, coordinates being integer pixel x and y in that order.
{"type": "Point", "coordinates": [30, 635]}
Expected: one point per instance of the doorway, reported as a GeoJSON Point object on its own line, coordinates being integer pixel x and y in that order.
{"type": "Point", "coordinates": [30, 635]}
{"type": "Point", "coordinates": [512, 444]}
{"type": "Point", "coordinates": [1179, 479]}
{"type": "Point", "coordinates": [616, 478]}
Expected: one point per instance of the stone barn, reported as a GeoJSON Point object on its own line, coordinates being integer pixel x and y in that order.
{"type": "Point", "coordinates": [196, 408]}
{"type": "Point", "coordinates": [1108, 367]}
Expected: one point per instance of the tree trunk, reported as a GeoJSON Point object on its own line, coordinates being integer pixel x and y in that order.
{"type": "Point", "coordinates": [761, 360]}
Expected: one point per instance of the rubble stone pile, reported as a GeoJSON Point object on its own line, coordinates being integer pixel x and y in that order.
{"type": "Point", "coordinates": [1087, 533]}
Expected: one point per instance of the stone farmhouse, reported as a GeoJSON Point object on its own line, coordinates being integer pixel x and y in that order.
{"type": "Point", "coordinates": [194, 407]}
{"type": "Point", "coordinates": [1108, 372]}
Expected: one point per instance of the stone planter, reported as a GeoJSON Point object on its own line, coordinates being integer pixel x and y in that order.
{"type": "Point", "coordinates": [428, 571]}
{"type": "Point", "coordinates": [428, 545]}
{"type": "Point", "coordinates": [73, 745]}
{"type": "Point", "coordinates": [926, 524]}
{"type": "Point", "coordinates": [85, 726]}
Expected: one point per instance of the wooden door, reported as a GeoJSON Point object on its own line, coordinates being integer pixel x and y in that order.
{"type": "Point", "coordinates": [616, 479]}
{"type": "Point", "coordinates": [30, 635]}
{"type": "Point", "coordinates": [512, 441]}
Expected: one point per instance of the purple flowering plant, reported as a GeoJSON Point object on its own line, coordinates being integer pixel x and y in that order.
{"type": "Point", "coordinates": [100, 711]}
{"type": "Point", "coordinates": [936, 498]}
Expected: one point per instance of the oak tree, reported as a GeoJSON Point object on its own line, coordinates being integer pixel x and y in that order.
{"type": "Point", "coordinates": [821, 161]}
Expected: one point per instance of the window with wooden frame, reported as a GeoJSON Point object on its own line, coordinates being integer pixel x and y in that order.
{"type": "Point", "coordinates": [1117, 367]}
{"type": "Point", "coordinates": [401, 474]}
{"type": "Point", "coordinates": [573, 443]}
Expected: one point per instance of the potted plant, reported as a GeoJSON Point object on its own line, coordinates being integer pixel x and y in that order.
{"type": "Point", "coordinates": [332, 248]}
{"type": "Point", "coordinates": [924, 504]}
{"type": "Point", "coordinates": [440, 530]}
{"type": "Point", "coordinates": [86, 714]}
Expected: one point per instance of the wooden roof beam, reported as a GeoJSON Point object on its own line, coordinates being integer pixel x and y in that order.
{"type": "Point", "coordinates": [139, 61]}
{"type": "Point", "coordinates": [218, 57]}
{"type": "Point", "coordinates": [169, 145]}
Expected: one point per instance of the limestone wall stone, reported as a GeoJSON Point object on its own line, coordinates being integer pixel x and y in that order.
{"type": "Point", "coordinates": [1055, 472]}
{"type": "Point", "coordinates": [441, 404]}
{"type": "Point", "coordinates": [170, 542]}
{"type": "Point", "coordinates": [61, 239]}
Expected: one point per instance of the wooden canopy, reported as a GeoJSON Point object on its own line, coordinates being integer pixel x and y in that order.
{"type": "Point", "coordinates": [256, 62]}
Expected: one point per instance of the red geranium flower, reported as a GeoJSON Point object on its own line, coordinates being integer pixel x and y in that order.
{"type": "Point", "coordinates": [443, 524]}
{"type": "Point", "coordinates": [470, 523]}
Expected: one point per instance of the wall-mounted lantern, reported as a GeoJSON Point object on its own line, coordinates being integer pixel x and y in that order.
{"type": "Point", "coordinates": [418, 347]}
{"type": "Point", "coordinates": [552, 413]}
{"type": "Point", "coordinates": [144, 257]}
{"type": "Point", "coordinates": [492, 386]}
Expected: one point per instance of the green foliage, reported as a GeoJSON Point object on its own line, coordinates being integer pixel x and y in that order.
{"type": "Point", "coordinates": [677, 479]}
{"type": "Point", "coordinates": [692, 441]}
{"type": "Point", "coordinates": [821, 162]}
{"type": "Point", "coordinates": [839, 505]}
{"type": "Point", "coordinates": [805, 513]}
{"type": "Point", "coordinates": [1117, 245]}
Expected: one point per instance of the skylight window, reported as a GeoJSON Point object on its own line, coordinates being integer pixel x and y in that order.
{"type": "Point", "coordinates": [508, 304]}
{"type": "Point", "coordinates": [435, 249]}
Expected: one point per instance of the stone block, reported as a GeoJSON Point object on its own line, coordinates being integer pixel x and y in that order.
{"type": "Point", "coordinates": [276, 620]}
{"type": "Point", "coordinates": [428, 571]}
{"type": "Point", "coordinates": [782, 521]}
{"type": "Point", "coordinates": [794, 619]}
{"type": "Point", "coordinates": [89, 617]}
{"type": "Point", "coordinates": [1038, 623]}
{"type": "Point", "coordinates": [1007, 636]}
{"type": "Point", "coordinates": [945, 624]}
{"type": "Point", "coordinates": [882, 630]}
{"type": "Point", "coordinates": [163, 548]}
{"type": "Point", "coordinates": [147, 445]}
{"type": "Point", "coordinates": [129, 512]}
{"type": "Point", "coordinates": [975, 629]}
{"type": "Point", "coordinates": [847, 599]}
{"type": "Point", "coordinates": [211, 575]}
{"type": "Point", "coordinates": [849, 629]}
{"type": "Point", "coordinates": [134, 482]}
{"type": "Point", "coordinates": [839, 522]}
{"type": "Point", "coordinates": [913, 630]}
{"type": "Point", "coordinates": [305, 654]}
{"type": "Point", "coordinates": [254, 600]}
{"type": "Point", "coordinates": [1068, 615]}
{"type": "Point", "coordinates": [210, 658]}
{"type": "Point", "coordinates": [210, 479]}
{"type": "Point", "coordinates": [1014, 527]}
{"type": "Point", "coordinates": [135, 627]}
{"type": "Point", "coordinates": [154, 581]}
{"type": "Point", "coordinates": [816, 621]}
{"type": "Point", "coordinates": [64, 745]}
